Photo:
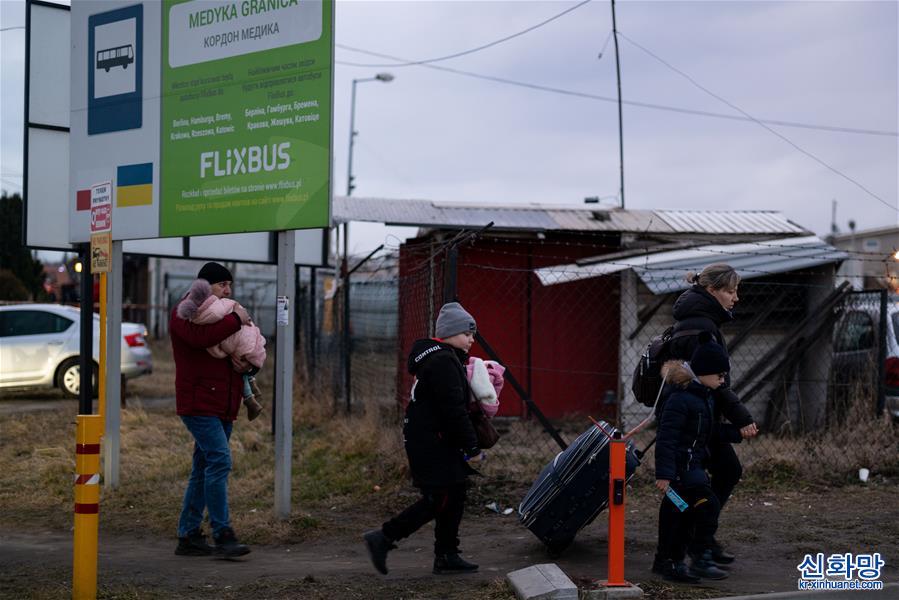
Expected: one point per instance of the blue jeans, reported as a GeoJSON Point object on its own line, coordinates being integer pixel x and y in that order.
{"type": "Point", "coordinates": [207, 487]}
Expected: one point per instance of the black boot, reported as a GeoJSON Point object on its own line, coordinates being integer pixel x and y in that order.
{"type": "Point", "coordinates": [227, 546]}
{"type": "Point", "coordinates": [703, 565]}
{"type": "Point", "coordinates": [658, 564]}
{"type": "Point", "coordinates": [193, 544]}
{"type": "Point", "coordinates": [254, 409]}
{"type": "Point", "coordinates": [445, 564]}
{"type": "Point", "coordinates": [676, 571]}
{"type": "Point", "coordinates": [720, 555]}
{"type": "Point", "coordinates": [378, 546]}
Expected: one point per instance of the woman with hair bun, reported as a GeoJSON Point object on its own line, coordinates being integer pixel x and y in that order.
{"type": "Point", "coordinates": [705, 307]}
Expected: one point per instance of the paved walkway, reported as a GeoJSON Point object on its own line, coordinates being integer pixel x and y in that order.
{"type": "Point", "coordinates": [890, 591]}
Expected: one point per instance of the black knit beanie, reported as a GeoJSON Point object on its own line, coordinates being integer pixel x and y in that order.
{"type": "Point", "coordinates": [214, 273]}
{"type": "Point", "coordinates": [709, 359]}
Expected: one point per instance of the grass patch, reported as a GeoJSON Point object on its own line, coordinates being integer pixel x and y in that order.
{"type": "Point", "coordinates": [338, 462]}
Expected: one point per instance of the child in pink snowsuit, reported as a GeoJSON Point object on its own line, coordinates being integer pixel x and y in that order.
{"type": "Point", "coordinates": [246, 347]}
{"type": "Point", "coordinates": [485, 377]}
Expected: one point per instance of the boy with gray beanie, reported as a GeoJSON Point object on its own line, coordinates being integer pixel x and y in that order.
{"type": "Point", "coordinates": [453, 319]}
{"type": "Point", "coordinates": [440, 443]}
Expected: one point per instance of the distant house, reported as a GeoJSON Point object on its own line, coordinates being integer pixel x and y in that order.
{"type": "Point", "coordinates": [569, 296]}
{"type": "Point", "coordinates": [873, 261]}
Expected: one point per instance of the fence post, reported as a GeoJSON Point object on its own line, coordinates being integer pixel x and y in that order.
{"type": "Point", "coordinates": [346, 323]}
{"type": "Point", "coordinates": [882, 354]}
{"type": "Point", "coordinates": [347, 341]}
{"type": "Point", "coordinates": [313, 321]}
{"type": "Point", "coordinates": [450, 275]}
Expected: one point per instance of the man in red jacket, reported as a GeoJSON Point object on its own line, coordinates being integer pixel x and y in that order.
{"type": "Point", "coordinates": [208, 397]}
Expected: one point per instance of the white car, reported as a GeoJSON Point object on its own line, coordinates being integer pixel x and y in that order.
{"type": "Point", "coordinates": [39, 348]}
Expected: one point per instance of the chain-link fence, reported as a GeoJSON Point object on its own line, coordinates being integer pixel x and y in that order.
{"type": "Point", "coordinates": [814, 362]}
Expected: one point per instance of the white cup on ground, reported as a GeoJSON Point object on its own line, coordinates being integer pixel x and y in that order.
{"type": "Point", "coordinates": [863, 474]}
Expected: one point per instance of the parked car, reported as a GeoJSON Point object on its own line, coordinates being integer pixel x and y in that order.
{"type": "Point", "coordinates": [39, 348]}
{"type": "Point", "coordinates": [856, 345]}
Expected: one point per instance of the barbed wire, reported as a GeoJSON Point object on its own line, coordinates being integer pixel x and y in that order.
{"type": "Point", "coordinates": [596, 241]}
{"type": "Point", "coordinates": [621, 261]}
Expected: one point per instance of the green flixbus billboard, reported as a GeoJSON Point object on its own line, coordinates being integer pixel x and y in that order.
{"type": "Point", "coordinates": [246, 115]}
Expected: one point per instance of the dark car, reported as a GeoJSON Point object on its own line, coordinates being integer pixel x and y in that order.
{"type": "Point", "coordinates": [856, 351]}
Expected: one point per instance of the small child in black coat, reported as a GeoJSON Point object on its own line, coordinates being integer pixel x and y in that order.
{"type": "Point", "coordinates": [685, 428]}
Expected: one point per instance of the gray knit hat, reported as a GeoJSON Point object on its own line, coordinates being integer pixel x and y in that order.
{"type": "Point", "coordinates": [453, 319]}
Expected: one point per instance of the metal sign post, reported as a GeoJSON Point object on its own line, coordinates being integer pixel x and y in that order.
{"type": "Point", "coordinates": [284, 374]}
{"type": "Point", "coordinates": [113, 374]}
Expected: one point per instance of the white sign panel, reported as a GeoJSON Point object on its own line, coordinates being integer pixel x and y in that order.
{"type": "Point", "coordinates": [115, 114]}
{"type": "Point", "coordinates": [46, 172]}
{"type": "Point", "coordinates": [188, 47]}
{"type": "Point", "coordinates": [114, 45]}
{"type": "Point", "coordinates": [48, 40]}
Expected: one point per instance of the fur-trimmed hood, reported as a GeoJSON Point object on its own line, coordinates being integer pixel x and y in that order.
{"type": "Point", "coordinates": [678, 372]}
{"type": "Point", "coordinates": [199, 292]}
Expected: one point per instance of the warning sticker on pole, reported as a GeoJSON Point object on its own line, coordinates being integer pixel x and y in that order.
{"type": "Point", "coordinates": [101, 250]}
{"type": "Point", "coordinates": [283, 311]}
{"type": "Point", "coordinates": [101, 207]}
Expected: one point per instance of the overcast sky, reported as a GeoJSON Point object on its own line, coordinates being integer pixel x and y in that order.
{"type": "Point", "coordinates": [442, 136]}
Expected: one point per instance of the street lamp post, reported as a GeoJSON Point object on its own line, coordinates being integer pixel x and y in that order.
{"type": "Point", "coordinates": [385, 78]}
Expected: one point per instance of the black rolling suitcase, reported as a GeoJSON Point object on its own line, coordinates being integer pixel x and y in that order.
{"type": "Point", "coordinates": [572, 489]}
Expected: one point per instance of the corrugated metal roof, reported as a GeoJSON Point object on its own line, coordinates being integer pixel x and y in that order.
{"type": "Point", "coordinates": [683, 221]}
{"type": "Point", "coordinates": [549, 217]}
{"type": "Point", "coordinates": [663, 272]}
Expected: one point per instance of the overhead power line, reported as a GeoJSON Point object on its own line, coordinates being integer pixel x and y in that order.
{"type": "Point", "coordinates": [589, 96]}
{"type": "Point", "coordinates": [477, 48]}
{"type": "Point", "coordinates": [11, 182]}
{"type": "Point", "coordinates": [759, 122]}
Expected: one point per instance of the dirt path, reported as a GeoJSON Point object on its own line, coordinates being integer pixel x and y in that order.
{"type": "Point", "coordinates": [769, 541]}
{"type": "Point", "coordinates": [151, 564]}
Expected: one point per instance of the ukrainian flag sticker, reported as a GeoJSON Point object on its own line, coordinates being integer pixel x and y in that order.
{"type": "Point", "coordinates": [134, 185]}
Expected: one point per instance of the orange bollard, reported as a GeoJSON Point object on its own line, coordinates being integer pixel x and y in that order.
{"type": "Point", "coordinates": [617, 482]}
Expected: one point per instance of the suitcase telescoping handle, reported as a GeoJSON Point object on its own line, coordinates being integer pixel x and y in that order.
{"type": "Point", "coordinates": [638, 453]}
{"type": "Point", "coordinates": [641, 453]}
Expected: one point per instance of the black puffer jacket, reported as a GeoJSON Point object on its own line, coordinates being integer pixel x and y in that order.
{"type": "Point", "coordinates": [685, 428]}
{"type": "Point", "coordinates": [697, 309]}
{"type": "Point", "coordinates": [437, 431]}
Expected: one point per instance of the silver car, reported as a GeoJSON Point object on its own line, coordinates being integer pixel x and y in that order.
{"type": "Point", "coordinates": [39, 348]}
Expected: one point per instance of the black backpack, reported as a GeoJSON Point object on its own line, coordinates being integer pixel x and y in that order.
{"type": "Point", "coordinates": [647, 381]}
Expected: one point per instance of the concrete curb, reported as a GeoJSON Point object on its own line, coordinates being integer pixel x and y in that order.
{"type": "Point", "coordinates": [542, 582]}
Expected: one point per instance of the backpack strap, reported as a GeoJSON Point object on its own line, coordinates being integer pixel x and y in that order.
{"type": "Point", "coordinates": [687, 332]}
